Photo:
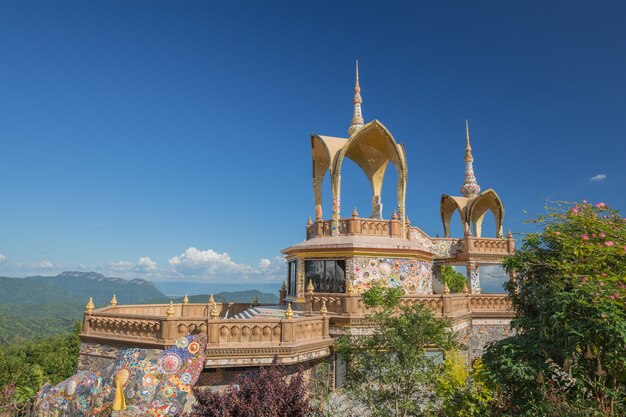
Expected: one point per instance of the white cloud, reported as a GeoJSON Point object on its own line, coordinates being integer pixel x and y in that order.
{"type": "Point", "coordinates": [146, 264]}
{"type": "Point", "coordinates": [597, 178]}
{"type": "Point", "coordinates": [46, 264]}
{"type": "Point", "coordinates": [265, 263]}
{"type": "Point", "coordinates": [194, 261]}
{"type": "Point", "coordinates": [2, 258]}
{"type": "Point", "coordinates": [120, 266]}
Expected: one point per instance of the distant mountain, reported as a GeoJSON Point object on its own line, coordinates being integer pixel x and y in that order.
{"type": "Point", "coordinates": [40, 306]}
{"type": "Point", "coordinates": [75, 286]}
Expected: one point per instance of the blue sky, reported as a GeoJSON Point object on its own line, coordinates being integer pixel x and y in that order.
{"type": "Point", "coordinates": [170, 140]}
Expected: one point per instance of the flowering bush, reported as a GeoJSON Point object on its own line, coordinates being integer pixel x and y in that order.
{"type": "Point", "coordinates": [569, 296]}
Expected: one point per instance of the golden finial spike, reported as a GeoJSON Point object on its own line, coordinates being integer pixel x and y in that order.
{"type": "Point", "coordinates": [309, 222]}
{"type": "Point", "coordinates": [349, 288]}
{"type": "Point", "coordinates": [467, 143]}
{"type": "Point", "coordinates": [113, 301]}
{"type": "Point", "coordinates": [255, 301]}
{"type": "Point", "coordinates": [211, 299]}
{"type": "Point", "coordinates": [186, 299]}
{"type": "Point", "coordinates": [355, 213]}
{"type": "Point", "coordinates": [283, 286]}
{"type": "Point", "coordinates": [289, 312]}
{"type": "Point", "coordinates": [323, 310]}
{"type": "Point", "coordinates": [310, 287]}
{"type": "Point", "coordinates": [170, 310]}
{"type": "Point", "coordinates": [357, 116]}
{"type": "Point", "coordinates": [90, 306]}
{"type": "Point", "coordinates": [465, 289]}
{"type": "Point", "coordinates": [446, 289]}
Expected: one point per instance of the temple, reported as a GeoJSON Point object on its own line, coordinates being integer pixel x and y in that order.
{"type": "Point", "coordinates": [341, 256]}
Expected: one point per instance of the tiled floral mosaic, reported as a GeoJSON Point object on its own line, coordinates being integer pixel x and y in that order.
{"type": "Point", "coordinates": [414, 276]}
{"type": "Point", "coordinates": [155, 382]}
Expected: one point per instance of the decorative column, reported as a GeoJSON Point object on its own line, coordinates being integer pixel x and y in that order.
{"type": "Point", "coordinates": [473, 278]}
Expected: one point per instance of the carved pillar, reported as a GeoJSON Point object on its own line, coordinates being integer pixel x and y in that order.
{"type": "Point", "coordinates": [300, 278]}
{"type": "Point", "coordinates": [213, 331]}
{"type": "Point", "coordinates": [473, 278]}
{"type": "Point", "coordinates": [336, 189]}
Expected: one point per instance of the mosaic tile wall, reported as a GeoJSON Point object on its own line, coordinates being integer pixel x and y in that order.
{"type": "Point", "coordinates": [414, 276]}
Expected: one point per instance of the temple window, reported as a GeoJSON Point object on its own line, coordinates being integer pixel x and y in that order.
{"type": "Point", "coordinates": [291, 277]}
{"type": "Point", "coordinates": [328, 275]}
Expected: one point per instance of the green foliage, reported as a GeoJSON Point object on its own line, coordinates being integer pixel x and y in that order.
{"type": "Point", "coordinates": [455, 280]}
{"type": "Point", "coordinates": [390, 371]}
{"type": "Point", "coordinates": [463, 391]}
{"type": "Point", "coordinates": [569, 297]}
{"type": "Point", "coordinates": [26, 366]}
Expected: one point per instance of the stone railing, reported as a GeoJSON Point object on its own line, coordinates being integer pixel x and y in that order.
{"type": "Point", "coordinates": [153, 327]}
{"type": "Point", "coordinates": [447, 305]}
{"type": "Point", "coordinates": [357, 226]}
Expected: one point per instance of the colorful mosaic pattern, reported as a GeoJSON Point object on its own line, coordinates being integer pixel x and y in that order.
{"type": "Point", "coordinates": [412, 275]}
{"type": "Point", "coordinates": [155, 383]}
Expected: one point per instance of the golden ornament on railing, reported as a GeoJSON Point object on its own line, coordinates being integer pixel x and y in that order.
{"type": "Point", "coordinates": [90, 306]}
{"type": "Point", "coordinates": [289, 312]}
{"type": "Point", "coordinates": [186, 300]}
{"type": "Point", "coordinates": [170, 309]}
{"type": "Point", "coordinates": [309, 222]}
{"type": "Point", "coordinates": [465, 289]}
{"type": "Point", "coordinates": [310, 288]}
{"type": "Point", "coordinates": [349, 288]}
{"type": "Point", "coordinates": [323, 310]}
{"type": "Point", "coordinates": [212, 308]}
{"type": "Point", "coordinates": [446, 289]}
{"type": "Point", "coordinates": [113, 301]}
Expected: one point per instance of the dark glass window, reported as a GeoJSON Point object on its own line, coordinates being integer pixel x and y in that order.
{"type": "Point", "coordinates": [291, 277]}
{"type": "Point", "coordinates": [328, 275]}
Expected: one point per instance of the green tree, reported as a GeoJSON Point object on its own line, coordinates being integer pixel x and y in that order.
{"type": "Point", "coordinates": [26, 366]}
{"type": "Point", "coordinates": [390, 370]}
{"type": "Point", "coordinates": [455, 280]}
{"type": "Point", "coordinates": [569, 354]}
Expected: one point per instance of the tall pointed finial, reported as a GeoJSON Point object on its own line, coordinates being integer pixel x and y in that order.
{"type": "Point", "coordinates": [470, 187]}
{"type": "Point", "coordinates": [170, 310]}
{"type": "Point", "coordinates": [186, 299]}
{"type": "Point", "coordinates": [357, 116]}
{"type": "Point", "coordinates": [113, 301]}
{"type": "Point", "coordinates": [90, 306]}
{"type": "Point", "coordinates": [289, 312]}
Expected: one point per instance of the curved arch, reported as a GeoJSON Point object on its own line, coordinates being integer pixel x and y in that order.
{"type": "Point", "coordinates": [372, 148]}
{"type": "Point", "coordinates": [488, 200]}
{"type": "Point", "coordinates": [324, 150]}
{"type": "Point", "coordinates": [449, 205]}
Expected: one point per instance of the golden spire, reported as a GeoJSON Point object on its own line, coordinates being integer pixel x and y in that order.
{"type": "Point", "coordinates": [310, 288]}
{"type": "Point", "coordinates": [289, 312]}
{"type": "Point", "coordinates": [113, 301]}
{"type": "Point", "coordinates": [186, 299]}
{"type": "Point", "coordinates": [470, 187]}
{"type": "Point", "coordinates": [465, 289]}
{"type": "Point", "coordinates": [212, 308]}
{"type": "Point", "coordinates": [357, 116]}
{"type": "Point", "coordinates": [90, 306]}
{"type": "Point", "coordinates": [446, 289]}
{"type": "Point", "coordinates": [323, 310]}
{"type": "Point", "coordinates": [170, 310]}
{"type": "Point", "coordinates": [349, 288]}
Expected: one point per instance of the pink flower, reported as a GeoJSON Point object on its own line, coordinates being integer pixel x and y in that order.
{"type": "Point", "coordinates": [612, 297]}
{"type": "Point", "coordinates": [608, 243]}
{"type": "Point", "coordinates": [584, 201]}
{"type": "Point", "coordinates": [601, 284]}
{"type": "Point", "coordinates": [602, 235]}
{"type": "Point", "coordinates": [603, 274]}
{"type": "Point", "coordinates": [600, 205]}
{"type": "Point", "coordinates": [593, 235]}
{"type": "Point", "coordinates": [557, 233]}
{"type": "Point", "coordinates": [575, 210]}
{"type": "Point", "coordinates": [584, 237]}
{"type": "Point", "coordinates": [603, 315]}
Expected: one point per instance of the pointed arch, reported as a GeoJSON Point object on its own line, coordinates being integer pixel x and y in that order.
{"type": "Point", "coordinates": [488, 200]}
{"type": "Point", "coordinates": [372, 148]}
{"type": "Point", "coordinates": [449, 205]}
{"type": "Point", "coordinates": [324, 152]}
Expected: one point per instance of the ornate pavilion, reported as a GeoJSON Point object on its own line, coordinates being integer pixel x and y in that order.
{"type": "Point", "coordinates": [340, 258]}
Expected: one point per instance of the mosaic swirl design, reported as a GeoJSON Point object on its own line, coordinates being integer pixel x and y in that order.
{"type": "Point", "coordinates": [412, 275]}
{"type": "Point", "coordinates": [156, 383]}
